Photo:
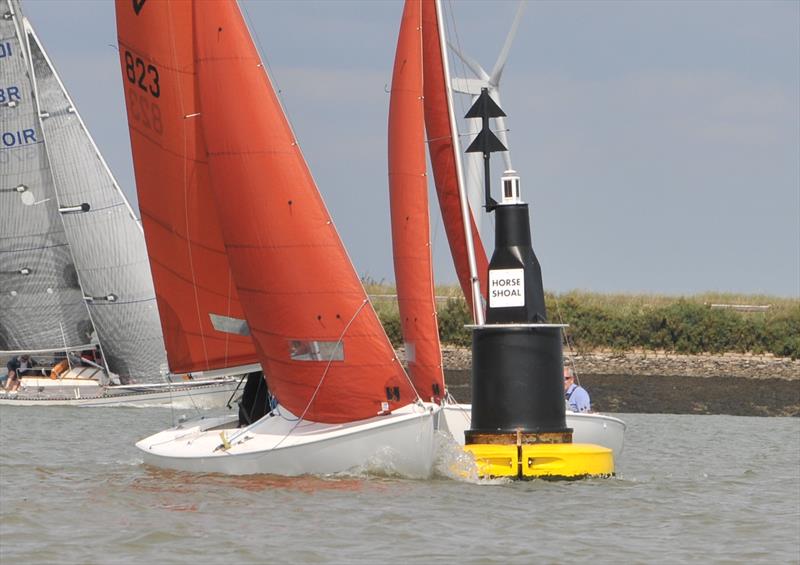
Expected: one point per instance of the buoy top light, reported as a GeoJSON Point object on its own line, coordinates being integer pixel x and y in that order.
{"type": "Point", "coordinates": [510, 184]}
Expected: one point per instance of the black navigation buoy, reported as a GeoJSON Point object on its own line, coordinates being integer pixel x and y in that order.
{"type": "Point", "coordinates": [518, 424]}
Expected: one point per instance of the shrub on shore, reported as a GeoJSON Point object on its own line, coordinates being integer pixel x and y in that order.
{"type": "Point", "coordinates": [626, 322]}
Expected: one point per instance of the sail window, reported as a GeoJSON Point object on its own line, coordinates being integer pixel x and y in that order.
{"type": "Point", "coordinates": [411, 352]}
{"type": "Point", "coordinates": [229, 325]}
{"type": "Point", "coordinates": [300, 350]}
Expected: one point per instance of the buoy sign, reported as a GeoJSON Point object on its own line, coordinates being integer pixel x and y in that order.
{"type": "Point", "coordinates": [506, 288]}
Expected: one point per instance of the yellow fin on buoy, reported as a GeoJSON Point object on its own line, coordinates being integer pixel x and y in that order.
{"type": "Point", "coordinates": [543, 460]}
{"type": "Point", "coordinates": [566, 460]}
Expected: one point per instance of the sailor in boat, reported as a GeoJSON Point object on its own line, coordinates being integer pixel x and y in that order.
{"type": "Point", "coordinates": [17, 367]}
{"type": "Point", "coordinates": [255, 401]}
{"type": "Point", "coordinates": [577, 397]}
{"type": "Point", "coordinates": [60, 365]}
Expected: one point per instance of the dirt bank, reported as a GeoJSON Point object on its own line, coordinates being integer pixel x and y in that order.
{"type": "Point", "coordinates": [647, 382]}
{"type": "Point", "coordinates": [671, 394]}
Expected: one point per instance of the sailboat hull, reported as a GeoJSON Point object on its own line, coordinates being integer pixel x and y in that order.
{"type": "Point", "coordinates": [597, 429]}
{"type": "Point", "coordinates": [213, 393]}
{"type": "Point", "coordinates": [400, 443]}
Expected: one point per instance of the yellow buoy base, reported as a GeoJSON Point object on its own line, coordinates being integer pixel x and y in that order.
{"type": "Point", "coordinates": [543, 460]}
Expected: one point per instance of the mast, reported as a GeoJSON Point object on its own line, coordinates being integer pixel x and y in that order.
{"type": "Point", "coordinates": [477, 307]}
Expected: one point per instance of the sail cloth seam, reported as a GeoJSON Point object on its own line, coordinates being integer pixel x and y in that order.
{"type": "Point", "coordinates": [39, 248]}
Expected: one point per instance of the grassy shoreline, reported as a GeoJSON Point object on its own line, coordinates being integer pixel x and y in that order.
{"type": "Point", "coordinates": [707, 323]}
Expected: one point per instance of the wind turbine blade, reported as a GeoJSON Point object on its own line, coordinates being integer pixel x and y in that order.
{"type": "Point", "coordinates": [494, 79]}
{"type": "Point", "coordinates": [468, 85]}
{"type": "Point", "coordinates": [473, 65]}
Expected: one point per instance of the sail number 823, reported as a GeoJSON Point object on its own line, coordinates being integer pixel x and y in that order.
{"type": "Point", "coordinates": [141, 74]}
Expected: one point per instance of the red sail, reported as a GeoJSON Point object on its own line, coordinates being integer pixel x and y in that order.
{"type": "Point", "coordinates": [325, 354]}
{"type": "Point", "coordinates": [442, 152]}
{"type": "Point", "coordinates": [408, 192]}
{"type": "Point", "coordinates": [201, 317]}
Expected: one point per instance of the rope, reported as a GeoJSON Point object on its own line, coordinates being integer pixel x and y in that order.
{"type": "Point", "coordinates": [571, 357]}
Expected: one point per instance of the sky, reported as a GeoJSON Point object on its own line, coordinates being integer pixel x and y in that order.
{"type": "Point", "coordinates": [658, 142]}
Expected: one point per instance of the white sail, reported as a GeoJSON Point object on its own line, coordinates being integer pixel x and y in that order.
{"type": "Point", "coordinates": [107, 243]}
{"type": "Point", "coordinates": [41, 303]}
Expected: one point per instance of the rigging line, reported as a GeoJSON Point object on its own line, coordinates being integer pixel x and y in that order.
{"type": "Point", "coordinates": [571, 359]}
{"type": "Point", "coordinates": [265, 64]}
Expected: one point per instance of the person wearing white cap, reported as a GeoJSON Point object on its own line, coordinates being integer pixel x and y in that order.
{"type": "Point", "coordinates": [576, 395]}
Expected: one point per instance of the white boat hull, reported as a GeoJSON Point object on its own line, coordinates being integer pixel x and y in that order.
{"type": "Point", "coordinates": [399, 443]}
{"type": "Point", "coordinates": [213, 393]}
{"type": "Point", "coordinates": [597, 429]}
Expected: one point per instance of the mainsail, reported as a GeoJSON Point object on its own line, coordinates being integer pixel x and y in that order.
{"type": "Point", "coordinates": [41, 302]}
{"type": "Point", "coordinates": [105, 239]}
{"type": "Point", "coordinates": [225, 162]}
{"type": "Point", "coordinates": [408, 191]}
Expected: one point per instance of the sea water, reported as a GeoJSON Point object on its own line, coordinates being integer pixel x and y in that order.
{"type": "Point", "coordinates": [689, 489]}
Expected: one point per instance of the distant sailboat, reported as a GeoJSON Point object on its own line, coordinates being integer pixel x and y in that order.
{"type": "Point", "coordinates": [73, 265]}
{"type": "Point", "coordinates": [247, 263]}
{"type": "Point", "coordinates": [421, 85]}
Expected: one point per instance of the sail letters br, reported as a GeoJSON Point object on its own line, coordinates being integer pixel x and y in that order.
{"type": "Point", "coordinates": [506, 288]}
{"type": "Point", "coordinates": [9, 95]}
